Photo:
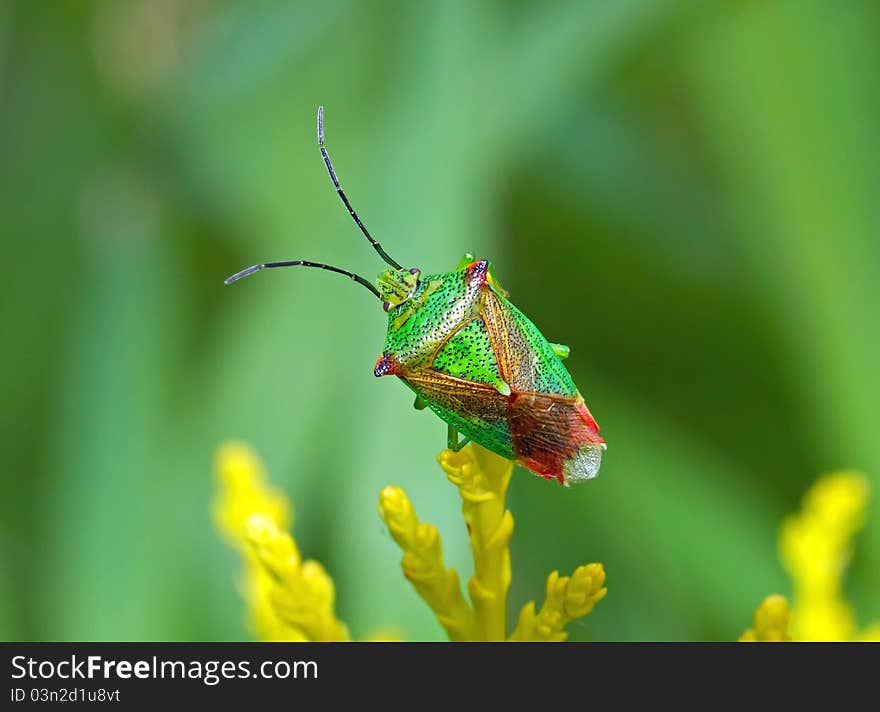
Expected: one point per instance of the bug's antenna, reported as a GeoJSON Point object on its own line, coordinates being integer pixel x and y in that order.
{"type": "Point", "coordinates": [303, 263]}
{"type": "Point", "coordinates": [376, 246]}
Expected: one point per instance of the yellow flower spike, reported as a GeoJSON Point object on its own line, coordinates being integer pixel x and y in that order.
{"type": "Point", "coordinates": [814, 543]}
{"type": "Point", "coordinates": [244, 489]}
{"type": "Point", "coordinates": [482, 479]}
{"type": "Point", "coordinates": [263, 621]}
{"type": "Point", "coordinates": [303, 595]}
{"type": "Point", "coordinates": [423, 564]}
{"type": "Point", "coordinates": [272, 547]}
{"type": "Point", "coordinates": [288, 599]}
{"type": "Point", "coordinates": [585, 589]}
{"type": "Point", "coordinates": [771, 623]}
{"type": "Point", "coordinates": [291, 599]}
{"type": "Point", "coordinates": [567, 598]}
{"type": "Point", "coordinates": [815, 547]}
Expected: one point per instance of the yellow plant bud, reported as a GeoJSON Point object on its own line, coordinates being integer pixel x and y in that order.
{"type": "Point", "coordinates": [482, 479]}
{"type": "Point", "coordinates": [303, 594]}
{"type": "Point", "coordinates": [815, 547]}
{"type": "Point", "coordinates": [771, 622]}
{"type": "Point", "coordinates": [584, 590]}
{"type": "Point", "coordinates": [287, 599]}
{"type": "Point", "coordinates": [244, 490]}
{"type": "Point", "coordinates": [567, 598]}
{"type": "Point", "coordinates": [423, 564]}
{"type": "Point", "coordinates": [292, 599]}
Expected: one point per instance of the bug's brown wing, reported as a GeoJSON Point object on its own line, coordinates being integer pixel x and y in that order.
{"type": "Point", "coordinates": [541, 426]}
{"type": "Point", "coordinates": [476, 410]}
{"type": "Point", "coordinates": [526, 359]}
{"type": "Point", "coordinates": [515, 363]}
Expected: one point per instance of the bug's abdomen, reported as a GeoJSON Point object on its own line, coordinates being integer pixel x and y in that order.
{"type": "Point", "coordinates": [554, 436]}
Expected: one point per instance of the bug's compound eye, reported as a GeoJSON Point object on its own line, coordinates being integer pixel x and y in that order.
{"type": "Point", "coordinates": [409, 279]}
{"type": "Point", "coordinates": [386, 305]}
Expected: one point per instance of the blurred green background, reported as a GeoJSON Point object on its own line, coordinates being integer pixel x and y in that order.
{"type": "Point", "coordinates": [684, 192]}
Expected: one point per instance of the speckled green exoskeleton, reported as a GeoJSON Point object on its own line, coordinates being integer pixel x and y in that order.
{"type": "Point", "coordinates": [476, 360]}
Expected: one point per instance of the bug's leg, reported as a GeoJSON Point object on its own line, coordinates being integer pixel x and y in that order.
{"type": "Point", "coordinates": [452, 441]}
{"type": "Point", "coordinates": [561, 350]}
{"type": "Point", "coordinates": [465, 261]}
{"type": "Point", "coordinates": [420, 403]}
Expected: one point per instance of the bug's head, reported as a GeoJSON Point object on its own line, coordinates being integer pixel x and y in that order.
{"type": "Point", "coordinates": [397, 285]}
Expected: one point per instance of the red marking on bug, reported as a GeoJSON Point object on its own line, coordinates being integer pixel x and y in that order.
{"type": "Point", "coordinates": [478, 271]}
{"type": "Point", "coordinates": [549, 430]}
{"type": "Point", "coordinates": [543, 470]}
{"type": "Point", "coordinates": [385, 366]}
{"type": "Point", "coordinates": [592, 426]}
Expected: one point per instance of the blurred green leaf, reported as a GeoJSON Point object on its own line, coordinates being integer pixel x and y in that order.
{"type": "Point", "coordinates": [790, 115]}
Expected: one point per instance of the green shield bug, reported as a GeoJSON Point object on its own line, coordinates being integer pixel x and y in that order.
{"type": "Point", "coordinates": [476, 360]}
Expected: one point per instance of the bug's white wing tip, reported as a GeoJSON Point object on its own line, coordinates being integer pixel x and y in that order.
{"type": "Point", "coordinates": [585, 464]}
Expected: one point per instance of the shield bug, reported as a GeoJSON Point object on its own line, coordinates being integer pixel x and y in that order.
{"type": "Point", "coordinates": [475, 360]}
